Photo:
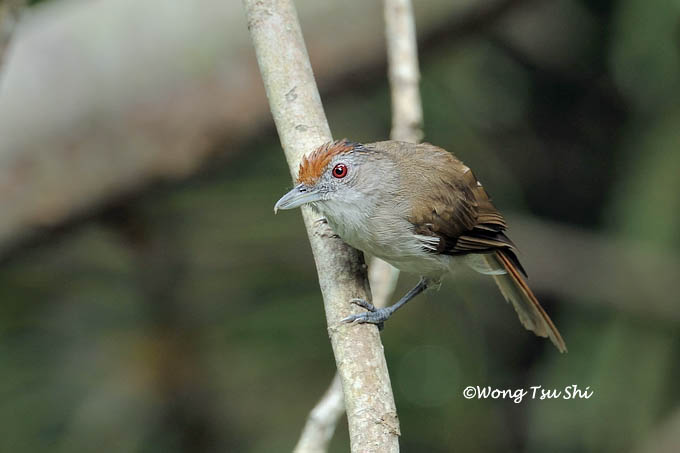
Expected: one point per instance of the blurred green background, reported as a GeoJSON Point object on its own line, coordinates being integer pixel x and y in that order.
{"type": "Point", "coordinates": [187, 317]}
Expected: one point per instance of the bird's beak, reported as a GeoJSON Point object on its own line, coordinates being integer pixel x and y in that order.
{"type": "Point", "coordinates": [298, 196]}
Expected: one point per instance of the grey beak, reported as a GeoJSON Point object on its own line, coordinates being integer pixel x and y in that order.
{"type": "Point", "coordinates": [298, 196]}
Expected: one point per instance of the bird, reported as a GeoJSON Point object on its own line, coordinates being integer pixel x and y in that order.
{"type": "Point", "coordinates": [421, 209]}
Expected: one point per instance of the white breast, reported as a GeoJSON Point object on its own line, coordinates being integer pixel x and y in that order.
{"type": "Point", "coordinates": [391, 239]}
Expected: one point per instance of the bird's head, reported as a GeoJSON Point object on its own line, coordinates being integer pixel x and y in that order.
{"type": "Point", "coordinates": [337, 175]}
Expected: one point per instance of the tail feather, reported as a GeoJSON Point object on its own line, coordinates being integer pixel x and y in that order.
{"type": "Point", "coordinates": [516, 291]}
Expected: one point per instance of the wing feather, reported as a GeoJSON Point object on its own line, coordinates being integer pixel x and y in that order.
{"type": "Point", "coordinates": [453, 206]}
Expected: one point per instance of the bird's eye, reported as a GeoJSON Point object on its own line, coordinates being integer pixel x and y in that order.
{"type": "Point", "coordinates": [340, 171]}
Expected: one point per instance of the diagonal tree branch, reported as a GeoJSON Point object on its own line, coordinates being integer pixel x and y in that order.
{"type": "Point", "coordinates": [301, 123]}
{"type": "Point", "coordinates": [407, 119]}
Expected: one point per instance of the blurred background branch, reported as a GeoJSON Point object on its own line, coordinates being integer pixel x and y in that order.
{"type": "Point", "coordinates": [88, 147]}
{"type": "Point", "coordinates": [403, 71]}
{"type": "Point", "coordinates": [407, 111]}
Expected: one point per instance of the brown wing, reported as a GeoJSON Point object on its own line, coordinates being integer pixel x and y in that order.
{"type": "Point", "coordinates": [450, 204]}
{"type": "Point", "coordinates": [454, 207]}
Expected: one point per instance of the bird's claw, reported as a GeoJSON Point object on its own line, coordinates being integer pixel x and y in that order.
{"type": "Point", "coordinates": [363, 303]}
{"type": "Point", "coordinates": [376, 316]}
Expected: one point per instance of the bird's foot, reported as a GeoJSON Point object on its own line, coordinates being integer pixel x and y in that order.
{"type": "Point", "coordinates": [376, 316]}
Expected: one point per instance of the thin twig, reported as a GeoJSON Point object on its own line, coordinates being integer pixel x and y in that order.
{"type": "Point", "coordinates": [407, 111]}
{"type": "Point", "coordinates": [300, 121]}
{"type": "Point", "coordinates": [322, 420]}
{"type": "Point", "coordinates": [403, 70]}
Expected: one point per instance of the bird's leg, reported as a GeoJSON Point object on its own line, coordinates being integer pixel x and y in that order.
{"type": "Point", "coordinates": [380, 315]}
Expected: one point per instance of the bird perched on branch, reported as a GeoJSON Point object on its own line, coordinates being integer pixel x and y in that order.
{"type": "Point", "coordinates": [420, 209]}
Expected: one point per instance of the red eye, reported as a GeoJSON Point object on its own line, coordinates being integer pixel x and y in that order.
{"type": "Point", "coordinates": [340, 171]}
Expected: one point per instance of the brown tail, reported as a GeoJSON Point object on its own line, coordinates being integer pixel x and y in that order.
{"type": "Point", "coordinates": [516, 291]}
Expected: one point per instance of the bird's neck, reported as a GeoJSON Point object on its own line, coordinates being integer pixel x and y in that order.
{"type": "Point", "coordinates": [350, 219]}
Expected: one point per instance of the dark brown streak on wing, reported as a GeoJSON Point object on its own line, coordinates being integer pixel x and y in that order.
{"type": "Point", "coordinates": [457, 210]}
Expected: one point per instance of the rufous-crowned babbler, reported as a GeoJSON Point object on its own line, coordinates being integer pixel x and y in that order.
{"type": "Point", "coordinates": [422, 210]}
